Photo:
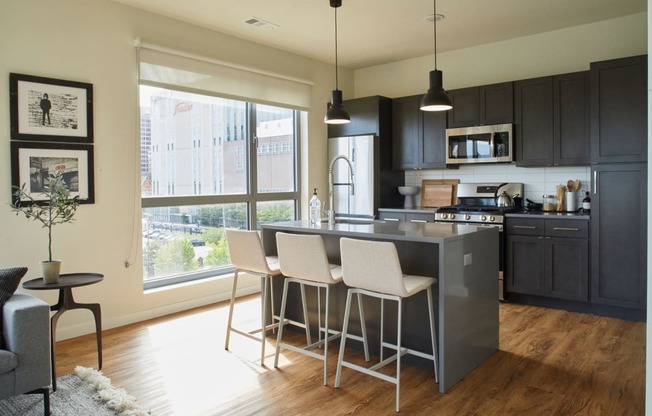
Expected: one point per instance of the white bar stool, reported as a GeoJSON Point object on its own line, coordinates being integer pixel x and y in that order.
{"type": "Point", "coordinates": [303, 260]}
{"type": "Point", "coordinates": [248, 256]}
{"type": "Point", "coordinates": [372, 268]}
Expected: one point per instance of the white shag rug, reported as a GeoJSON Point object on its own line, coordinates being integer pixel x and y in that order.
{"type": "Point", "coordinates": [86, 392]}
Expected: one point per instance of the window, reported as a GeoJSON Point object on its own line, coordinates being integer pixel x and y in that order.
{"type": "Point", "coordinates": [209, 163]}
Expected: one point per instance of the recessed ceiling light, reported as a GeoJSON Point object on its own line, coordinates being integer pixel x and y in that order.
{"type": "Point", "coordinates": [431, 17]}
{"type": "Point", "coordinates": [261, 24]}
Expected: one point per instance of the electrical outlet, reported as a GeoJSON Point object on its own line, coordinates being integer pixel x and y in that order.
{"type": "Point", "coordinates": [468, 259]}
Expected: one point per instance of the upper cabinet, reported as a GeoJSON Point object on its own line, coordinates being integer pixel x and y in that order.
{"type": "Point", "coordinates": [486, 104]}
{"type": "Point", "coordinates": [369, 115]}
{"type": "Point", "coordinates": [619, 110]}
{"type": "Point", "coordinates": [419, 137]}
{"type": "Point", "coordinates": [552, 120]}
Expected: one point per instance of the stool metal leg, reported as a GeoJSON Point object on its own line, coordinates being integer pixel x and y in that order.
{"type": "Point", "coordinates": [382, 326]}
{"type": "Point", "coordinates": [281, 321]}
{"type": "Point", "coordinates": [231, 305]}
{"type": "Point", "coordinates": [263, 318]}
{"type": "Point", "coordinates": [398, 354]}
{"type": "Point", "coordinates": [345, 328]}
{"type": "Point", "coordinates": [432, 332]}
{"type": "Point", "coordinates": [363, 326]}
{"type": "Point", "coordinates": [305, 312]}
{"type": "Point", "coordinates": [326, 334]}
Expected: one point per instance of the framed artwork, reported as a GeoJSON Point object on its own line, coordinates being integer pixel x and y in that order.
{"type": "Point", "coordinates": [32, 163]}
{"type": "Point", "coordinates": [50, 109]}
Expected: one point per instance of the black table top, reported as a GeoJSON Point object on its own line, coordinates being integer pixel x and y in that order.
{"type": "Point", "coordinates": [66, 280]}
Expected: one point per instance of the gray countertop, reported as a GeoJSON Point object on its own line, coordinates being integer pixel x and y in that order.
{"type": "Point", "coordinates": [402, 230]}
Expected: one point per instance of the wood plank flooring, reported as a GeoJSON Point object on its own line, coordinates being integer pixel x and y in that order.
{"type": "Point", "coordinates": [550, 362]}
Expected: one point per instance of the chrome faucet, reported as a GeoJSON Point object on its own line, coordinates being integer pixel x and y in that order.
{"type": "Point", "coordinates": [331, 197]}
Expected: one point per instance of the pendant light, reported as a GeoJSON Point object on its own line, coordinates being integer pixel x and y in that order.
{"type": "Point", "coordinates": [436, 98]}
{"type": "Point", "coordinates": [336, 113]}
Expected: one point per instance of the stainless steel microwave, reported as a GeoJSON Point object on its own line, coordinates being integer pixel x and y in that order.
{"type": "Point", "coordinates": [479, 144]}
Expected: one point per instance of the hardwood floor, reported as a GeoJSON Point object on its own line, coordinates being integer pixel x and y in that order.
{"type": "Point", "coordinates": [550, 362]}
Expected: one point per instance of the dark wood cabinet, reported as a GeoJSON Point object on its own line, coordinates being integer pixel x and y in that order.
{"type": "Point", "coordinates": [369, 115]}
{"type": "Point", "coordinates": [619, 235]}
{"type": "Point", "coordinates": [619, 110]}
{"type": "Point", "coordinates": [552, 118]}
{"type": "Point", "coordinates": [548, 257]}
{"type": "Point", "coordinates": [572, 109]}
{"type": "Point", "coordinates": [486, 104]}
{"type": "Point", "coordinates": [419, 137]}
{"type": "Point", "coordinates": [533, 114]}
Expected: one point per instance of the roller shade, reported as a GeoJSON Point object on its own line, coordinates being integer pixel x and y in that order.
{"type": "Point", "coordinates": [175, 69]}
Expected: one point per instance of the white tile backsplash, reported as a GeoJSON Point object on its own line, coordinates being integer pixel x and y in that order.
{"type": "Point", "coordinates": [536, 181]}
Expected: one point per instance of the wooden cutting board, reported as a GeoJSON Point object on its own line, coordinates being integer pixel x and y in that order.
{"type": "Point", "coordinates": [438, 192]}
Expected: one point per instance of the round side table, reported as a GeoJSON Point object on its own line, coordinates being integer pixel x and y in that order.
{"type": "Point", "coordinates": [67, 302]}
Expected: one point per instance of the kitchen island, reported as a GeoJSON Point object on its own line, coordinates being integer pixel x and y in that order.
{"type": "Point", "coordinates": [463, 257]}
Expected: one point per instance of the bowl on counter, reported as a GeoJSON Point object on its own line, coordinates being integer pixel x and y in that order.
{"type": "Point", "coordinates": [409, 192]}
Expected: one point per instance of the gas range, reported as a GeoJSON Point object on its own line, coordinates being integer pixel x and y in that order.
{"type": "Point", "coordinates": [477, 204]}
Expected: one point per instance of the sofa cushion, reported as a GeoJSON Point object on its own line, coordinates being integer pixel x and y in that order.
{"type": "Point", "coordinates": [9, 281]}
{"type": "Point", "coordinates": [8, 361]}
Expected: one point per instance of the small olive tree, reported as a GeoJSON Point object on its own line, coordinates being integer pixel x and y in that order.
{"type": "Point", "coordinates": [57, 208]}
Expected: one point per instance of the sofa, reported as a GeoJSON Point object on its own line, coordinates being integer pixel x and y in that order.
{"type": "Point", "coordinates": [25, 359]}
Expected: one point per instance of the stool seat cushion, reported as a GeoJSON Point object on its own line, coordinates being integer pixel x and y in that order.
{"type": "Point", "coordinates": [415, 284]}
{"type": "Point", "coordinates": [336, 272]}
{"type": "Point", "coordinates": [273, 265]}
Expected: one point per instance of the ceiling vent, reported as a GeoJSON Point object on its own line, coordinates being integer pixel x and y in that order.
{"type": "Point", "coordinates": [261, 24]}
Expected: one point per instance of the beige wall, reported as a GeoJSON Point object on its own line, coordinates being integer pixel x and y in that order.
{"type": "Point", "coordinates": [92, 41]}
{"type": "Point", "coordinates": [550, 53]}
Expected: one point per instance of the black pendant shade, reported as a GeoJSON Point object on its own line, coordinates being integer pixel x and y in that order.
{"type": "Point", "coordinates": [336, 113]}
{"type": "Point", "coordinates": [436, 98]}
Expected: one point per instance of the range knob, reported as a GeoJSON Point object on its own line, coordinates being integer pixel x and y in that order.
{"type": "Point", "coordinates": [492, 218]}
{"type": "Point", "coordinates": [483, 218]}
{"type": "Point", "coordinates": [452, 216]}
{"type": "Point", "coordinates": [467, 217]}
{"type": "Point", "coordinates": [445, 216]}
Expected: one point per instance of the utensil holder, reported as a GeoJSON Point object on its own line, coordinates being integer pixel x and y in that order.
{"type": "Point", "coordinates": [571, 201]}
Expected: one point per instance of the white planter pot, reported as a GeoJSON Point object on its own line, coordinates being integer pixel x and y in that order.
{"type": "Point", "coordinates": [51, 271]}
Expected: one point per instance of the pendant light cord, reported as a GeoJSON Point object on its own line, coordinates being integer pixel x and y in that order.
{"type": "Point", "coordinates": [336, 77]}
{"type": "Point", "coordinates": [434, 17]}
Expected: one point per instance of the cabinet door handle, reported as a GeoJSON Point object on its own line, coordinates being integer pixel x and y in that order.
{"type": "Point", "coordinates": [595, 182]}
{"type": "Point", "coordinates": [418, 221]}
{"type": "Point", "coordinates": [526, 227]}
{"type": "Point", "coordinates": [391, 219]}
{"type": "Point", "coordinates": [565, 229]}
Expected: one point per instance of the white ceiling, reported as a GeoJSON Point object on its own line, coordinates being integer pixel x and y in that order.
{"type": "Point", "coordinates": [373, 32]}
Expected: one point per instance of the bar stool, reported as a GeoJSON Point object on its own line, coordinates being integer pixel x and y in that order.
{"type": "Point", "coordinates": [372, 268]}
{"type": "Point", "coordinates": [247, 255]}
{"type": "Point", "coordinates": [303, 260]}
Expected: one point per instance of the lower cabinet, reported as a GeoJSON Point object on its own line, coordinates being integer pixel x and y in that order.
{"type": "Point", "coordinates": [548, 257]}
{"type": "Point", "coordinates": [399, 215]}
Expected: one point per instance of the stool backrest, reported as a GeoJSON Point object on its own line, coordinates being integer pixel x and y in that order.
{"type": "Point", "coordinates": [303, 257]}
{"type": "Point", "coordinates": [372, 265]}
{"type": "Point", "coordinates": [246, 250]}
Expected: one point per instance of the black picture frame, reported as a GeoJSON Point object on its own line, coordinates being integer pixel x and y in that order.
{"type": "Point", "coordinates": [32, 162]}
{"type": "Point", "coordinates": [48, 109]}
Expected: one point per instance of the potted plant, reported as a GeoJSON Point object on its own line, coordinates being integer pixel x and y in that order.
{"type": "Point", "coordinates": [57, 208]}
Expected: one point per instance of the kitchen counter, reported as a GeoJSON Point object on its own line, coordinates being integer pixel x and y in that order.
{"type": "Point", "coordinates": [549, 215]}
{"type": "Point", "coordinates": [465, 260]}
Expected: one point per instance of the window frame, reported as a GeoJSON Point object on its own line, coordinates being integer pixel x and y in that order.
{"type": "Point", "coordinates": [250, 198]}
